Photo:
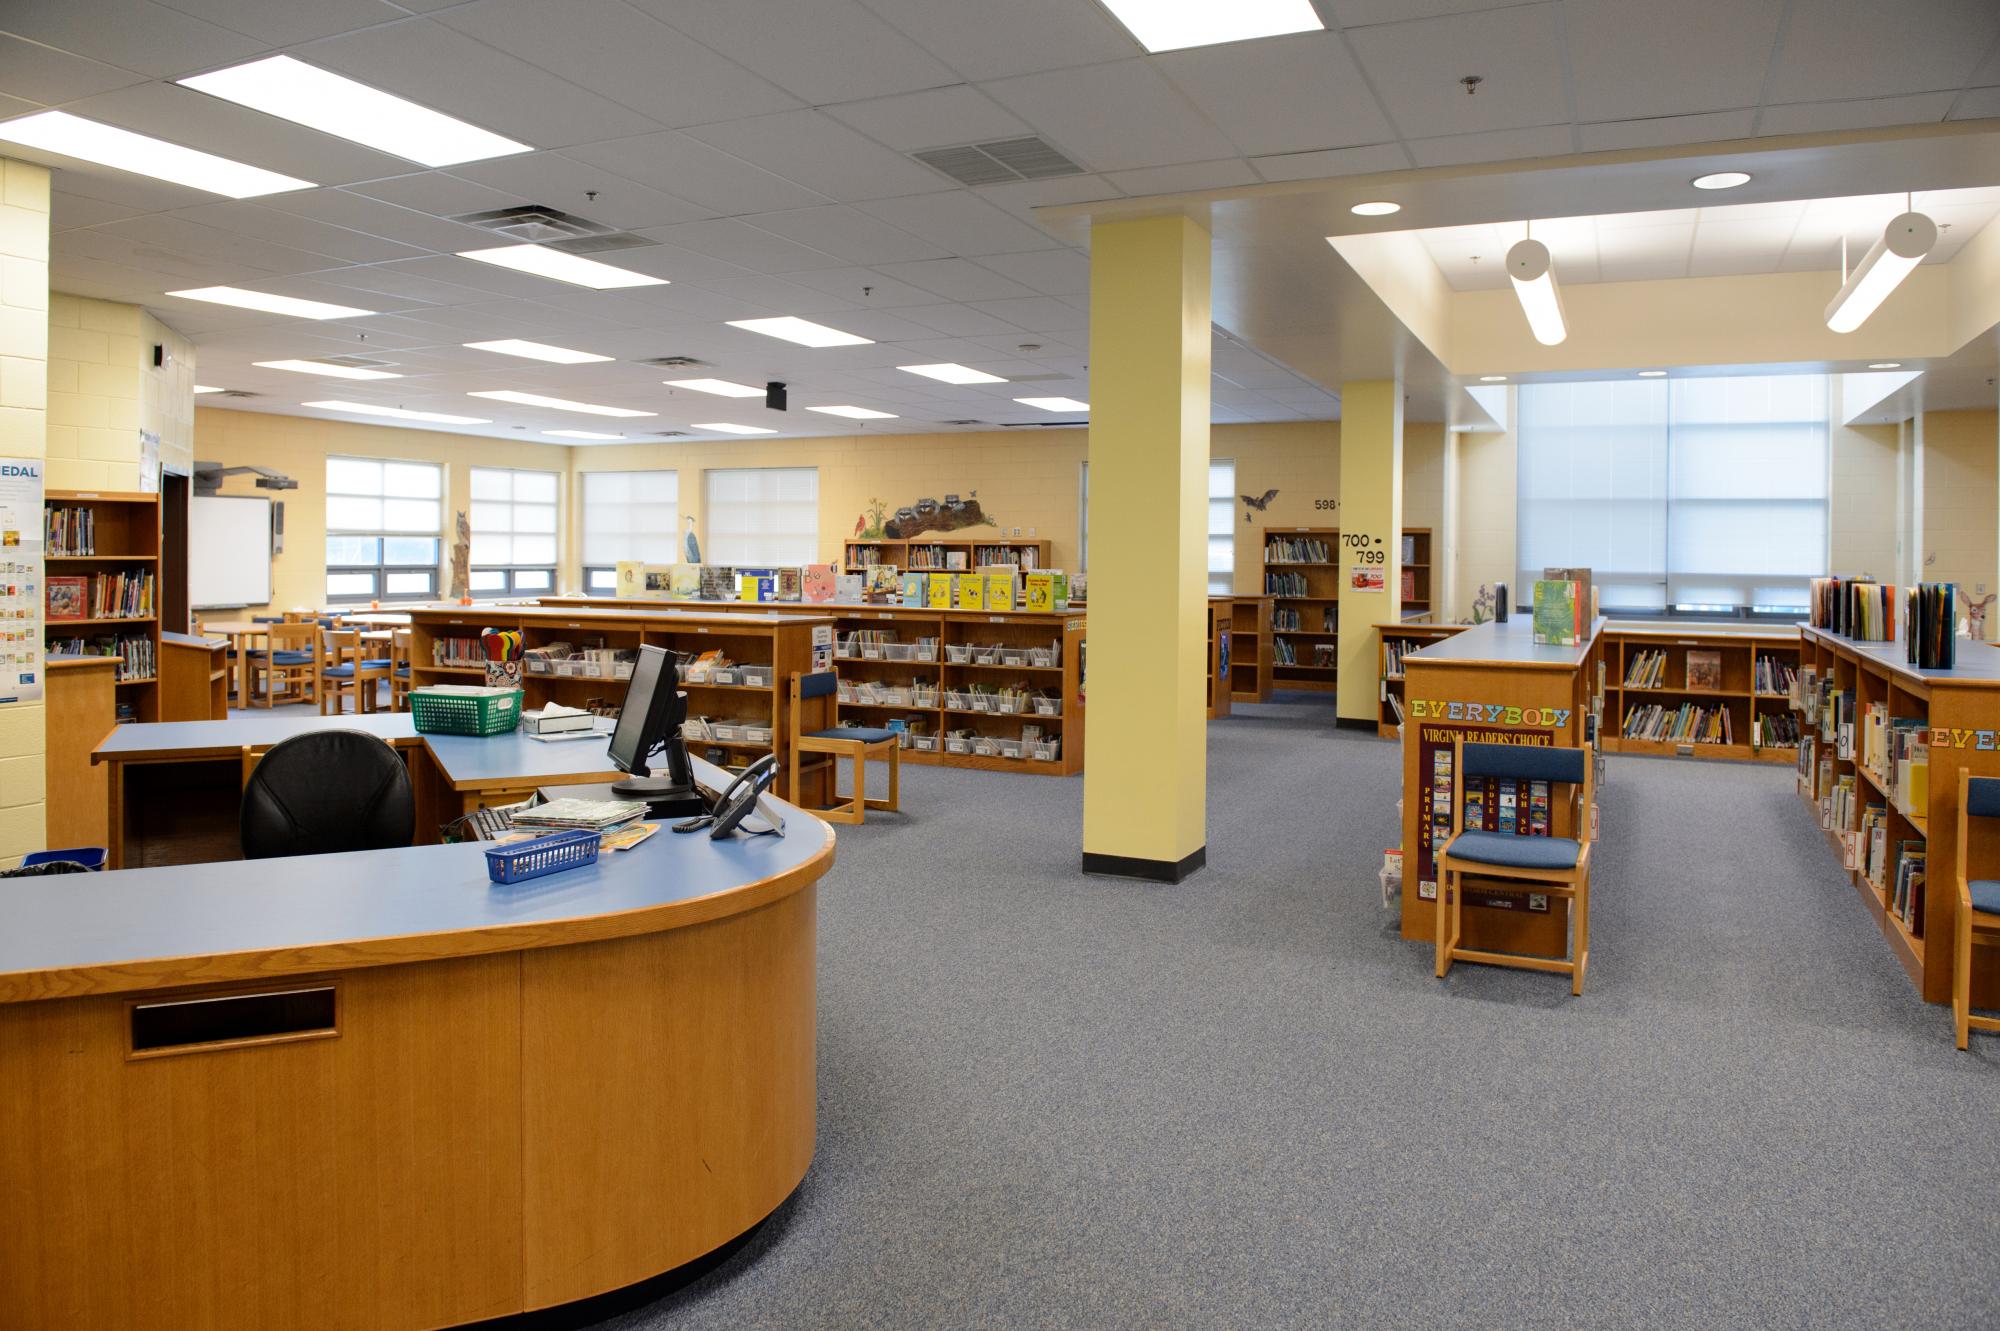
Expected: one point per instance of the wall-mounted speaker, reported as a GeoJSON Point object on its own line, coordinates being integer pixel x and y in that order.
{"type": "Point", "coordinates": [277, 526]}
{"type": "Point", "coordinates": [774, 395]}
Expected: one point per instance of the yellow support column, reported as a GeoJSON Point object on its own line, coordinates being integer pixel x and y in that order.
{"type": "Point", "coordinates": [1371, 538]}
{"type": "Point", "coordinates": [1145, 786]}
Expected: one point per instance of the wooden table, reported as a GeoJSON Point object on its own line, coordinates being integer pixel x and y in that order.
{"type": "Point", "coordinates": [373, 1090]}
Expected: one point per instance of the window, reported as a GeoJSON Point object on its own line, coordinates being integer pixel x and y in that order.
{"type": "Point", "coordinates": [384, 529]}
{"type": "Point", "coordinates": [763, 517]}
{"type": "Point", "coordinates": [513, 531]}
{"type": "Point", "coordinates": [629, 515]}
{"type": "Point", "coordinates": [1689, 495]}
{"type": "Point", "coordinates": [1221, 525]}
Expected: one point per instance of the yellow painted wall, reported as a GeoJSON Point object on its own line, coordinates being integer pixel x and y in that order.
{"type": "Point", "coordinates": [1486, 518]}
{"type": "Point", "coordinates": [1961, 531]}
{"type": "Point", "coordinates": [1863, 500]}
{"type": "Point", "coordinates": [104, 392]}
{"type": "Point", "coordinates": [166, 394]}
{"type": "Point", "coordinates": [299, 447]}
{"type": "Point", "coordinates": [24, 352]}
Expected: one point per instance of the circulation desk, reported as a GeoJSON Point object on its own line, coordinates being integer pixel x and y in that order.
{"type": "Point", "coordinates": [1489, 684]}
{"type": "Point", "coordinates": [374, 1090]}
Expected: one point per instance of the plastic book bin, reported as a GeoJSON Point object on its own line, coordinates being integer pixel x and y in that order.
{"type": "Point", "coordinates": [90, 857]}
{"type": "Point", "coordinates": [480, 714]}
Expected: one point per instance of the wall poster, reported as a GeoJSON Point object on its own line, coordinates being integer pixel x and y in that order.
{"type": "Point", "coordinates": [21, 578]}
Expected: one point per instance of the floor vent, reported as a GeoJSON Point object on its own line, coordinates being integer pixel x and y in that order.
{"type": "Point", "coordinates": [998, 162]}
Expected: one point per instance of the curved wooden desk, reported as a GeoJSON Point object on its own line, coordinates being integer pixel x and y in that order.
{"type": "Point", "coordinates": [402, 1096]}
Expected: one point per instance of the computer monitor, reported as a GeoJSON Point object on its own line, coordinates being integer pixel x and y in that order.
{"type": "Point", "coordinates": [650, 718]}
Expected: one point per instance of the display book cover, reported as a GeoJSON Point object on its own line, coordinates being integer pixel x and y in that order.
{"type": "Point", "coordinates": [1507, 805]}
{"type": "Point", "coordinates": [67, 598]}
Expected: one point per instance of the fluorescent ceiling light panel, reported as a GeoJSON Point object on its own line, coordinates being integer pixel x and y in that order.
{"type": "Point", "coordinates": [560, 266]}
{"type": "Point", "coordinates": [319, 99]}
{"type": "Point", "coordinates": [1652, 374]}
{"type": "Point", "coordinates": [397, 413]}
{"type": "Point", "coordinates": [719, 387]}
{"type": "Point", "coordinates": [555, 403]}
{"type": "Point", "coordinates": [802, 331]}
{"type": "Point", "coordinates": [1878, 365]}
{"type": "Point", "coordinates": [1721, 180]}
{"type": "Point", "coordinates": [204, 388]}
{"type": "Point", "coordinates": [1173, 25]}
{"type": "Point", "coordinates": [322, 368]}
{"type": "Point", "coordinates": [855, 413]}
{"type": "Point", "coordinates": [514, 346]}
{"type": "Point", "coordinates": [1534, 276]}
{"type": "Point", "coordinates": [1377, 208]}
{"type": "Point", "coordinates": [951, 373]}
{"type": "Point", "coordinates": [725, 427]}
{"type": "Point", "coordinates": [1898, 250]}
{"type": "Point", "coordinates": [582, 434]}
{"type": "Point", "coordinates": [1492, 378]}
{"type": "Point", "coordinates": [1054, 403]}
{"type": "Point", "coordinates": [270, 304]}
{"type": "Point", "coordinates": [107, 145]}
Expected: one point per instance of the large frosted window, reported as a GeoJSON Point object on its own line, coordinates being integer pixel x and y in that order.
{"type": "Point", "coordinates": [514, 519]}
{"type": "Point", "coordinates": [629, 515]}
{"type": "Point", "coordinates": [384, 529]}
{"type": "Point", "coordinates": [760, 517]}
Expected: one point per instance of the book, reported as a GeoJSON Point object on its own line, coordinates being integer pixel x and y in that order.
{"type": "Point", "coordinates": [718, 583]}
{"type": "Point", "coordinates": [1704, 670]}
{"type": "Point", "coordinates": [67, 598]}
{"type": "Point", "coordinates": [554, 718]}
{"type": "Point", "coordinates": [849, 587]}
{"type": "Point", "coordinates": [684, 582]}
{"type": "Point", "coordinates": [790, 586]}
{"type": "Point", "coordinates": [1002, 590]}
{"type": "Point", "coordinates": [1558, 617]}
{"type": "Point", "coordinates": [970, 592]}
{"type": "Point", "coordinates": [817, 584]}
{"type": "Point", "coordinates": [940, 590]}
{"type": "Point", "coordinates": [880, 583]}
{"type": "Point", "coordinates": [1475, 803]}
{"type": "Point", "coordinates": [590, 814]}
{"type": "Point", "coordinates": [1506, 800]}
{"type": "Point", "coordinates": [912, 588]}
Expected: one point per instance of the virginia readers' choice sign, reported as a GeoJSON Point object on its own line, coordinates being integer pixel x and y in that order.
{"type": "Point", "coordinates": [1439, 725]}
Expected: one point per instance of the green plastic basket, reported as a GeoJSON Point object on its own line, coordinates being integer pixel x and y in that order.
{"type": "Point", "coordinates": [465, 713]}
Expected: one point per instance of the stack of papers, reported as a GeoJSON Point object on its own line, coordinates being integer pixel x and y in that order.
{"type": "Point", "coordinates": [591, 815]}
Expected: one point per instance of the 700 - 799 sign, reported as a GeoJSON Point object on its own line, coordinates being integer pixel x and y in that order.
{"type": "Point", "coordinates": [1367, 548]}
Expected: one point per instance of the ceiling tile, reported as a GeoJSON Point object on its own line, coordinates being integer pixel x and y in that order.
{"type": "Point", "coordinates": [252, 219]}
{"type": "Point", "coordinates": [1022, 197]}
{"type": "Point", "coordinates": [1977, 104]}
{"type": "Point", "coordinates": [881, 325]}
{"type": "Point", "coordinates": [848, 234]}
{"type": "Point", "coordinates": [439, 193]}
{"type": "Point", "coordinates": [563, 182]}
{"type": "Point", "coordinates": [410, 281]}
{"type": "Point", "coordinates": [820, 153]}
{"type": "Point", "coordinates": [1501, 145]}
{"type": "Point", "coordinates": [1335, 162]}
{"type": "Point", "coordinates": [451, 72]}
{"type": "Point", "coordinates": [819, 50]}
{"type": "Point", "coordinates": [68, 210]}
{"type": "Point", "coordinates": [1416, 67]}
{"type": "Point", "coordinates": [690, 169]}
{"type": "Point", "coordinates": [1861, 48]}
{"type": "Point", "coordinates": [628, 56]}
{"type": "Point", "coordinates": [1662, 131]}
{"type": "Point", "coordinates": [958, 222]}
{"type": "Point", "coordinates": [934, 118]}
{"type": "Point", "coordinates": [41, 74]}
{"type": "Point", "coordinates": [1634, 58]}
{"type": "Point", "coordinates": [375, 218]}
{"type": "Point", "coordinates": [1188, 176]}
{"type": "Point", "coordinates": [736, 242]}
{"type": "Point", "coordinates": [1051, 272]}
{"type": "Point", "coordinates": [1038, 313]}
{"type": "Point", "coordinates": [983, 40]}
{"type": "Point", "coordinates": [1113, 117]}
{"type": "Point", "coordinates": [149, 38]}
{"type": "Point", "coordinates": [956, 321]}
{"type": "Point", "coordinates": [1326, 104]}
{"type": "Point", "coordinates": [882, 290]}
{"type": "Point", "coordinates": [1870, 113]}
{"type": "Point", "coordinates": [778, 295]}
{"type": "Point", "coordinates": [1360, 13]}
{"type": "Point", "coordinates": [283, 22]}
{"type": "Point", "coordinates": [958, 279]}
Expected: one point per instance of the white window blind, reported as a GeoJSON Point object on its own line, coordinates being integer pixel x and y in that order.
{"type": "Point", "coordinates": [631, 515]}
{"type": "Point", "coordinates": [384, 528]}
{"type": "Point", "coordinates": [761, 517]}
{"type": "Point", "coordinates": [1221, 526]}
{"type": "Point", "coordinates": [1689, 493]}
{"type": "Point", "coordinates": [514, 519]}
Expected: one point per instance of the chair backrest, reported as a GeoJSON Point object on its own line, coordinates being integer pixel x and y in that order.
{"type": "Point", "coordinates": [331, 790]}
{"type": "Point", "coordinates": [399, 642]}
{"type": "Point", "coordinates": [1982, 796]}
{"type": "Point", "coordinates": [819, 684]}
{"type": "Point", "coordinates": [292, 637]}
{"type": "Point", "coordinates": [336, 645]}
{"type": "Point", "coordinates": [813, 701]}
{"type": "Point", "coordinates": [1526, 763]}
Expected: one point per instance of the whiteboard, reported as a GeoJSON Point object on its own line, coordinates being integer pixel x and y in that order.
{"type": "Point", "coordinates": [229, 551]}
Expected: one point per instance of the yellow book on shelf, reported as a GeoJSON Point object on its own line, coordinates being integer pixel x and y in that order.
{"type": "Point", "coordinates": [1002, 591]}
{"type": "Point", "coordinates": [1041, 590]}
{"type": "Point", "coordinates": [940, 592]}
{"type": "Point", "coordinates": [1914, 781]}
{"type": "Point", "coordinates": [747, 587]}
{"type": "Point", "coordinates": [971, 592]}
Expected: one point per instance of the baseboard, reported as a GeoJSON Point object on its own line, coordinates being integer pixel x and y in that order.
{"type": "Point", "coordinates": [1153, 871]}
{"type": "Point", "coordinates": [1350, 723]}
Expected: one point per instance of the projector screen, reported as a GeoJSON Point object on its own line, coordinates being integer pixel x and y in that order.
{"type": "Point", "coordinates": [229, 552]}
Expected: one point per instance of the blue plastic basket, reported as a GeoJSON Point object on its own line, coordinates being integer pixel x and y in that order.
{"type": "Point", "coordinates": [545, 854]}
{"type": "Point", "coordinates": [90, 857]}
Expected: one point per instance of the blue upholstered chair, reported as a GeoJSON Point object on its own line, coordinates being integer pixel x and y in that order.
{"type": "Point", "coordinates": [1977, 919]}
{"type": "Point", "coordinates": [285, 672]}
{"type": "Point", "coordinates": [342, 666]}
{"type": "Point", "coordinates": [814, 713]}
{"type": "Point", "coordinates": [1556, 865]}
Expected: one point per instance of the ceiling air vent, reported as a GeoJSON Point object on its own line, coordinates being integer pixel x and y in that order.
{"type": "Point", "coordinates": [536, 222]}
{"type": "Point", "coordinates": [675, 363]}
{"type": "Point", "coordinates": [998, 162]}
{"type": "Point", "coordinates": [670, 434]}
{"type": "Point", "coordinates": [352, 362]}
{"type": "Point", "coordinates": [238, 392]}
{"type": "Point", "coordinates": [962, 422]}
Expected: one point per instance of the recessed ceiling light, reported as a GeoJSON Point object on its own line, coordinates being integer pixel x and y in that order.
{"type": "Point", "coordinates": [514, 346]}
{"type": "Point", "coordinates": [802, 331]}
{"type": "Point", "coordinates": [314, 97]}
{"type": "Point", "coordinates": [582, 434]}
{"type": "Point", "coordinates": [1173, 25]}
{"type": "Point", "coordinates": [320, 367]}
{"type": "Point", "coordinates": [855, 413]}
{"type": "Point", "coordinates": [1492, 378]}
{"type": "Point", "coordinates": [1721, 180]}
{"type": "Point", "coordinates": [204, 388]}
{"type": "Point", "coordinates": [555, 403]}
{"type": "Point", "coordinates": [1054, 403]}
{"type": "Point", "coordinates": [952, 374]}
{"type": "Point", "coordinates": [1652, 374]}
{"type": "Point", "coordinates": [88, 141]}
{"type": "Point", "coordinates": [719, 387]}
{"type": "Point", "coordinates": [724, 427]}
{"type": "Point", "coordinates": [562, 267]}
{"type": "Point", "coordinates": [270, 304]}
{"type": "Point", "coordinates": [1376, 208]}
{"type": "Point", "coordinates": [1878, 365]}
{"type": "Point", "coordinates": [366, 409]}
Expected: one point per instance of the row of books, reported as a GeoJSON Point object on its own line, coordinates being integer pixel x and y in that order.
{"type": "Point", "coordinates": [1285, 652]}
{"type": "Point", "coordinates": [1393, 652]}
{"type": "Point", "coordinates": [1285, 617]}
{"type": "Point", "coordinates": [1896, 750]}
{"type": "Point", "coordinates": [1286, 584]}
{"type": "Point", "coordinates": [1906, 885]}
{"type": "Point", "coordinates": [69, 531]}
{"type": "Point", "coordinates": [1296, 550]}
{"type": "Point", "coordinates": [126, 595]}
{"type": "Point", "coordinates": [1859, 608]}
{"type": "Point", "coordinates": [135, 654]}
{"type": "Point", "coordinates": [1689, 723]}
{"type": "Point", "coordinates": [1509, 806]}
{"type": "Point", "coordinates": [1771, 674]}
{"type": "Point", "coordinates": [1774, 730]}
{"type": "Point", "coordinates": [1930, 635]}
{"type": "Point", "coordinates": [1646, 670]}
{"type": "Point", "coordinates": [1008, 586]}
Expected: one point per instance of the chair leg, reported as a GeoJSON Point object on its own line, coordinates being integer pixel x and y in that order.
{"type": "Point", "coordinates": [1582, 957]}
{"type": "Point", "coordinates": [1442, 956]}
{"type": "Point", "coordinates": [792, 778]}
{"type": "Point", "coordinates": [895, 777]}
{"type": "Point", "coordinates": [1961, 976]}
{"type": "Point", "coordinates": [860, 802]}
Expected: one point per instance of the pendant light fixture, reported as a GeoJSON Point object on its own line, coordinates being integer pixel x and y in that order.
{"type": "Point", "coordinates": [1533, 274]}
{"type": "Point", "coordinates": [1900, 248]}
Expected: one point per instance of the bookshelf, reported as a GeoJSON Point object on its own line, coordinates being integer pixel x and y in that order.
{"type": "Point", "coordinates": [1221, 625]}
{"type": "Point", "coordinates": [1396, 642]}
{"type": "Point", "coordinates": [1249, 648]}
{"type": "Point", "coordinates": [1648, 689]}
{"type": "Point", "coordinates": [935, 552]}
{"type": "Point", "coordinates": [110, 541]}
{"type": "Point", "coordinates": [1416, 572]}
{"type": "Point", "coordinates": [1302, 580]}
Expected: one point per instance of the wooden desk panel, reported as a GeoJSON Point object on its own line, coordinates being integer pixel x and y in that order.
{"type": "Point", "coordinates": [82, 709]}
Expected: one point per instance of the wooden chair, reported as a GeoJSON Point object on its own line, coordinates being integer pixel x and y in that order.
{"type": "Point", "coordinates": [1977, 919]}
{"type": "Point", "coordinates": [342, 666]}
{"type": "Point", "coordinates": [814, 729]}
{"type": "Point", "coordinates": [286, 672]}
{"type": "Point", "coordinates": [1557, 865]}
{"type": "Point", "coordinates": [399, 676]}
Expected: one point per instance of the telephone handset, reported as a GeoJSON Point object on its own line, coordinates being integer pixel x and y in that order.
{"type": "Point", "coordinates": [737, 802]}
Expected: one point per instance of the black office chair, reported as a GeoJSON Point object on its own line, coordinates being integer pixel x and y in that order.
{"type": "Point", "coordinates": [328, 791]}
